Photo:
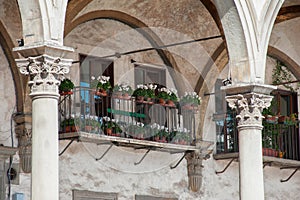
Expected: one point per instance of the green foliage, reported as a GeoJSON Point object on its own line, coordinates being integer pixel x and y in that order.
{"type": "Point", "coordinates": [102, 82]}
{"type": "Point", "coordinates": [147, 91]}
{"type": "Point", "coordinates": [111, 124]}
{"type": "Point", "coordinates": [281, 74]}
{"type": "Point", "coordinates": [190, 98]}
{"type": "Point", "coordinates": [66, 85]}
{"type": "Point", "coordinates": [68, 122]}
{"type": "Point", "coordinates": [123, 89]}
{"type": "Point", "coordinates": [167, 94]}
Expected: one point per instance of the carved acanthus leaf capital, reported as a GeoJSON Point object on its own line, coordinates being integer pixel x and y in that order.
{"type": "Point", "coordinates": [45, 72]}
{"type": "Point", "coordinates": [249, 107]}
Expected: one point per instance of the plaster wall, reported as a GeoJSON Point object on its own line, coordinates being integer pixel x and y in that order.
{"type": "Point", "coordinates": [284, 37]}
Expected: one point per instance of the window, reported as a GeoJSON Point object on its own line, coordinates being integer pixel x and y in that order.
{"type": "Point", "coordinates": [93, 66]}
{"type": "Point", "coordinates": [146, 74]}
{"type": "Point", "coordinates": [89, 195]}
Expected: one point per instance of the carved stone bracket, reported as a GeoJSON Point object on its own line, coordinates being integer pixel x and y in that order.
{"type": "Point", "coordinates": [25, 149]}
{"type": "Point", "coordinates": [45, 72]}
{"type": "Point", "coordinates": [194, 166]}
{"type": "Point", "coordinates": [23, 133]}
{"type": "Point", "coordinates": [249, 107]}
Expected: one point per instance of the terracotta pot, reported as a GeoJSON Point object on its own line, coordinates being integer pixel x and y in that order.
{"type": "Point", "coordinates": [101, 92]}
{"type": "Point", "coordinates": [140, 99]}
{"type": "Point", "coordinates": [170, 103]}
{"type": "Point", "coordinates": [88, 128]}
{"type": "Point", "coordinates": [270, 152]}
{"type": "Point", "coordinates": [108, 131]}
{"type": "Point", "coordinates": [161, 101]}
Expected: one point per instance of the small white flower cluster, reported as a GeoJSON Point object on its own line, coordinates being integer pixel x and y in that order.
{"type": "Point", "coordinates": [156, 126]}
{"type": "Point", "coordinates": [123, 87]}
{"type": "Point", "coordinates": [103, 79]}
{"type": "Point", "coordinates": [148, 86]}
{"type": "Point", "coordinates": [190, 96]}
{"type": "Point", "coordinates": [182, 130]}
{"type": "Point", "coordinates": [169, 91]}
{"type": "Point", "coordinates": [140, 124]}
{"type": "Point", "coordinates": [107, 119]}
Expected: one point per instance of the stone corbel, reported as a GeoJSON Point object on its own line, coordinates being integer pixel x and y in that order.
{"type": "Point", "coordinates": [25, 150]}
{"type": "Point", "coordinates": [23, 133]}
{"type": "Point", "coordinates": [194, 167]}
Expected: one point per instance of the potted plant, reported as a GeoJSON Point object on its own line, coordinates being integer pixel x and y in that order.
{"type": "Point", "coordinates": [69, 125]}
{"type": "Point", "coordinates": [168, 96]}
{"type": "Point", "coordinates": [190, 101]}
{"type": "Point", "coordinates": [144, 92]}
{"type": "Point", "coordinates": [270, 135]}
{"type": "Point", "coordinates": [122, 91]}
{"type": "Point", "coordinates": [65, 87]}
{"type": "Point", "coordinates": [102, 85]}
{"type": "Point", "coordinates": [137, 130]}
{"type": "Point", "coordinates": [91, 124]}
{"type": "Point", "coordinates": [162, 135]}
{"type": "Point", "coordinates": [110, 127]}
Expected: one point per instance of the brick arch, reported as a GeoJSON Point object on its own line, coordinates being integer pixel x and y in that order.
{"type": "Point", "coordinates": [290, 63]}
{"type": "Point", "coordinates": [7, 46]}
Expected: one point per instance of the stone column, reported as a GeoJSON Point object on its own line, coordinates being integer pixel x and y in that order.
{"type": "Point", "coordinates": [249, 101]}
{"type": "Point", "coordinates": [44, 71]}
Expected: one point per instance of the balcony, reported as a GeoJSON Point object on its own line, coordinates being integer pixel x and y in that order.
{"type": "Point", "coordinates": [126, 121]}
{"type": "Point", "coordinates": [280, 138]}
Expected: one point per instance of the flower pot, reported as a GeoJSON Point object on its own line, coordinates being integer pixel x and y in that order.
{"type": "Point", "coordinates": [171, 103]}
{"type": "Point", "coordinates": [88, 128]}
{"type": "Point", "coordinates": [108, 131]}
{"type": "Point", "coordinates": [140, 99]}
{"type": "Point", "coordinates": [161, 101]}
{"type": "Point", "coordinates": [270, 152]}
{"type": "Point", "coordinates": [101, 92]}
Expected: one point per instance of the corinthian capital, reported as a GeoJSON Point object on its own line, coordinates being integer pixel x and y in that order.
{"type": "Point", "coordinates": [249, 107]}
{"type": "Point", "coordinates": [44, 71]}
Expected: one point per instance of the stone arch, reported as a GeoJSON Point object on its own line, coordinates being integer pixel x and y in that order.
{"type": "Point", "coordinates": [290, 63]}
{"type": "Point", "coordinates": [7, 45]}
{"type": "Point", "coordinates": [247, 27]}
{"type": "Point", "coordinates": [43, 21]}
{"type": "Point", "coordinates": [154, 40]}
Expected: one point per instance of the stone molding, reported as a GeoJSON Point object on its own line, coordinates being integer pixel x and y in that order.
{"type": "Point", "coordinates": [249, 107]}
{"type": "Point", "coordinates": [45, 72]}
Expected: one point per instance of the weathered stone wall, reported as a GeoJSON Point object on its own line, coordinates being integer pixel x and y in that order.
{"type": "Point", "coordinates": [7, 99]}
{"type": "Point", "coordinates": [116, 172]}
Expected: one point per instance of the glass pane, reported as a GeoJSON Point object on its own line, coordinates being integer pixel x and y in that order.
{"type": "Point", "coordinates": [284, 105]}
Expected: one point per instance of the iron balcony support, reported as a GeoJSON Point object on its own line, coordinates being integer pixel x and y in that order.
{"type": "Point", "coordinates": [294, 172]}
{"type": "Point", "coordinates": [220, 172]}
{"type": "Point", "coordinates": [107, 150]}
{"type": "Point", "coordinates": [71, 141]}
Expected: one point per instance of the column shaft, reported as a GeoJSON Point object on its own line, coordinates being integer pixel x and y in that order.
{"type": "Point", "coordinates": [251, 166]}
{"type": "Point", "coordinates": [44, 148]}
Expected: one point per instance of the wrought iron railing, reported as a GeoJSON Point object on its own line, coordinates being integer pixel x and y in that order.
{"type": "Point", "coordinates": [122, 116]}
{"type": "Point", "coordinates": [279, 138]}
